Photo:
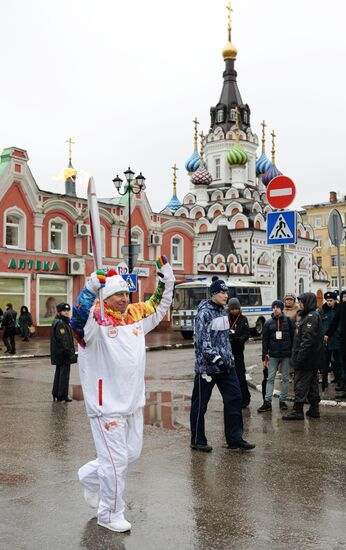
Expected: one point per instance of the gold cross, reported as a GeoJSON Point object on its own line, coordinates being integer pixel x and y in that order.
{"type": "Point", "coordinates": [201, 162]}
{"type": "Point", "coordinates": [195, 121]}
{"type": "Point", "coordinates": [229, 9]}
{"type": "Point", "coordinates": [263, 124]}
{"type": "Point", "coordinates": [70, 143]}
{"type": "Point", "coordinates": [175, 168]}
{"type": "Point", "coordinates": [273, 135]}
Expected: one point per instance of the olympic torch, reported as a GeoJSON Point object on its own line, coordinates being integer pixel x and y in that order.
{"type": "Point", "coordinates": [95, 234]}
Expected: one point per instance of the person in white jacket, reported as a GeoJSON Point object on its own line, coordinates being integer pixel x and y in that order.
{"type": "Point", "coordinates": [111, 358]}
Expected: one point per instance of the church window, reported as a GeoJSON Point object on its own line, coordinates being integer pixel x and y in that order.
{"type": "Point", "coordinates": [245, 117]}
{"type": "Point", "coordinates": [217, 168]}
{"type": "Point", "coordinates": [203, 228]}
{"type": "Point", "coordinates": [232, 114]}
{"type": "Point", "coordinates": [220, 115]}
{"type": "Point", "coordinates": [301, 285]}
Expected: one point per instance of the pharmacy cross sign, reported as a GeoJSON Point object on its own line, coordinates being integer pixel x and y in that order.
{"type": "Point", "coordinates": [281, 192]}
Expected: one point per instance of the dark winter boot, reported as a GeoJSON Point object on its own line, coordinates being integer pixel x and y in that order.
{"type": "Point", "coordinates": [296, 413]}
{"type": "Point", "coordinates": [314, 411]}
{"type": "Point", "coordinates": [267, 406]}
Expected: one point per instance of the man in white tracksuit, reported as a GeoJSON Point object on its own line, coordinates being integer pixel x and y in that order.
{"type": "Point", "coordinates": [111, 357]}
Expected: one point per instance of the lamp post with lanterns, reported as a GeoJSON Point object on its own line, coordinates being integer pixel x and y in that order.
{"type": "Point", "coordinates": [134, 186]}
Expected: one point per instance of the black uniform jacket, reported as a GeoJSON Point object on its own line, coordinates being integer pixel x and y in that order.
{"type": "Point", "coordinates": [240, 326]}
{"type": "Point", "coordinates": [339, 321]}
{"type": "Point", "coordinates": [61, 342]}
{"type": "Point", "coordinates": [271, 345]}
{"type": "Point", "coordinates": [308, 350]}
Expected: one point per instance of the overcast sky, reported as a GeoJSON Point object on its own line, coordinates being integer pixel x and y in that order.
{"type": "Point", "coordinates": [126, 79]}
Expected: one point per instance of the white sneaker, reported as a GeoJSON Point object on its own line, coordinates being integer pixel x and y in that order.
{"type": "Point", "coordinates": [119, 525]}
{"type": "Point", "coordinates": [91, 498]}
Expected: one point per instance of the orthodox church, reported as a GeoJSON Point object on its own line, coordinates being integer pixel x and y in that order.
{"type": "Point", "coordinates": [227, 198]}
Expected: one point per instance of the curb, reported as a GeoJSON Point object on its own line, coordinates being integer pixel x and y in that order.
{"type": "Point", "coordinates": [147, 348]}
{"type": "Point", "coordinates": [323, 402]}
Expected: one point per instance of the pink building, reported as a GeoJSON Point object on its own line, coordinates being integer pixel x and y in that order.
{"type": "Point", "coordinates": [45, 251]}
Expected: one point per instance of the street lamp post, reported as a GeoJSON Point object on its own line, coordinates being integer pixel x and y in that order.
{"type": "Point", "coordinates": [135, 186]}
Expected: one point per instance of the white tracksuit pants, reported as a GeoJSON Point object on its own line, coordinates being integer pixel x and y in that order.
{"type": "Point", "coordinates": [118, 441]}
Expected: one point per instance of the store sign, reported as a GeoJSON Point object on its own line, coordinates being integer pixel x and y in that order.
{"type": "Point", "coordinates": [37, 265]}
{"type": "Point", "coordinates": [141, 271]}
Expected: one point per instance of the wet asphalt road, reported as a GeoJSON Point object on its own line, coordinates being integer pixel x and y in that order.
{"type": "Point", "coordinates": [288, 493]}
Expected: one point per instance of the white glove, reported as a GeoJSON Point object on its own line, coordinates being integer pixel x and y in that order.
{"type": "Point", "coordinates": [97, 280]}
{"type": "Point", "coordinates": [164, 270]}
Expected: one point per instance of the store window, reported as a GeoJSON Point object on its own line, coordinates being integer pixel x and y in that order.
{"type": "Point", "coordinates": [12, 290]}
{"type": "Point", "coordinates": [58, 236]}
{"type": "Point", "coordinates": [51, 292]}
{"type": "Point", "coordinates": [177, 250]}
{"type": "Point", "coordinates": [15, 228]}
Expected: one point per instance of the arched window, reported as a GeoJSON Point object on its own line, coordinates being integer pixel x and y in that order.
{"type": "Point", "coordinates": [239, 224]}
{"type": "Point", "coordinates": [14, 228]}
{"type": "Point", "coordinates": [301, 286]}
{"type": "Point", "coordinates": [57, 235]}
{"type": "Point", "coordinates": [177, 250]}
{"type": "Point", "coordinates": [203, 228]}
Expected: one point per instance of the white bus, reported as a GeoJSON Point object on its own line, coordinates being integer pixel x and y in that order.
{"type": "Point", "coordinates": [255, 300]}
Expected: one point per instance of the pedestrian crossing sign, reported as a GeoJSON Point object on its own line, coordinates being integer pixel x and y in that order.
{"type": "Point", "coordinates": [131, 280]}
{"type": "Point", "coordinates": [282, 227]}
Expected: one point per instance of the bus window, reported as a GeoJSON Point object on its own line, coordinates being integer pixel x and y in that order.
{"type": "Point", "coordinates": [189, 298]}
{"type": "Point", "coordinates": [255, 298]}
{"type": "Point", "coordinates": [243, 296]}
{"type": "Point", "coordinates": [231, 292]}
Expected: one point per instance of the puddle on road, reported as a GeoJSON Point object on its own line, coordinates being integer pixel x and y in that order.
{"type": "Point", "coordinates": [163, 408]}
{"type": "Point", "coordinates": [13, 479]}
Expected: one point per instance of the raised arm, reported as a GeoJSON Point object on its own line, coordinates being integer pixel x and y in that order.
{"type": "Point", "coordinates": [153, 310]}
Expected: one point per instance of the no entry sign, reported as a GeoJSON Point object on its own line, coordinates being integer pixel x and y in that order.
{"type": "Point", "coordinates": [281, 192]}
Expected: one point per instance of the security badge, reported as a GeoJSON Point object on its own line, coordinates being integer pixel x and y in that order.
{"type": "Point", "coordinates": [62, 331]}
{"type": "Point", "coordinates": [279, 335]}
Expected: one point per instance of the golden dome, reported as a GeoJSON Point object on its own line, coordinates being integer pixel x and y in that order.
{"type": "Point", "coordinates": [229, 51]}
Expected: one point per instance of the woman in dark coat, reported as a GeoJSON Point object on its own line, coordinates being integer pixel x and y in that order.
{"type": "Point", "coordinates": [25, 321]}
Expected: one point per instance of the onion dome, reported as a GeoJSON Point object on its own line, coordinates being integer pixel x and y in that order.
{"type": "Point", "coordinates": [262, 164]}
{"type": "Point", "coordinates": [237, 155]}
{"type": "Point", "coordinates": [201, 177]}
{"type": "Point", "coordinates": [273, 171]}
{"type": "Point", "coordinates": [174, 203]}
{"type": "Point", "coordinates": [193, 162]}
{"type": "Point", "coordinates": [271, 174]}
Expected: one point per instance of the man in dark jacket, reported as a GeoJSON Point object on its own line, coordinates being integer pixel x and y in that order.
{"type": "Point", "coordinates": [277, 341]}
{"type": "Point", "coordinates": [62, 352]}
{"type": "Point", "coordinates": [239, 333]}
{"type": "Point", "coordinates": [306, 358]}
{"type": "Point", "coordinates": [339, 324]}
{"type": "Point", "coordinates": [9, 326]}
{"type": "Point", "coordinates": [215, 365]}
{"type": "Point", "coordinates": [332, 350]}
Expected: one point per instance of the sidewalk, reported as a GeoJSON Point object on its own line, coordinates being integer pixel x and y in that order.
{"type": "Point", "coordinates": [39, 346]}
{"type": "Point", "coordinates": [254, 376]}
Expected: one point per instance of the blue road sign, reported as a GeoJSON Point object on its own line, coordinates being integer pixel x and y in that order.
{"type": "Point", "coordinates": [131, 279]}
{"type": "Point", "coordinates": [282, 227]}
